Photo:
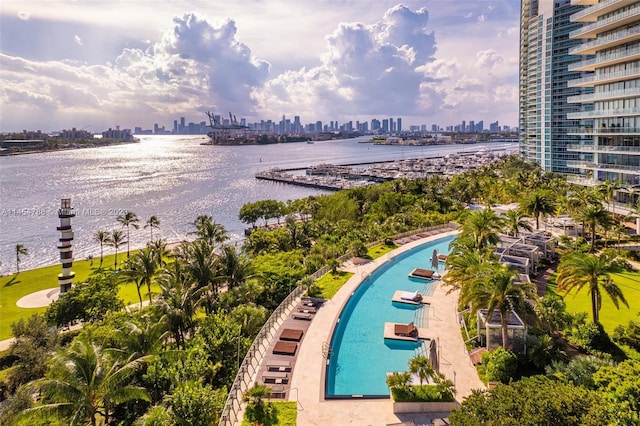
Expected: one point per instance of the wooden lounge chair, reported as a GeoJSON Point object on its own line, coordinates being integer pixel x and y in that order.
{"type": "Point", "coordinates": [291, 334]}
{"type": "Point", "coordinates": [442, 257]}
{"type": "Point", "coordinates": [302, 316]}
{"type": "Point", "coordinates": [408, 330]}
{"type": "Point", "coordinates": [285, 348]}
{"type": "Point", "coordinates": [281, 366]}
{"type": "Point", "coordinates": [307, 310]}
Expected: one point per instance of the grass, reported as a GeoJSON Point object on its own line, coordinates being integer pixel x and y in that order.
{"type": "Point", "coordinates": [287, 414]}
{"type": "Point", "coordinates": [610, 317]}
{"type": "Point", "coordinates": [13, 287]}
{"type": "Point", "coordinates": [379, 250]}
{"type": "Point", "coordinates": [331, 283]}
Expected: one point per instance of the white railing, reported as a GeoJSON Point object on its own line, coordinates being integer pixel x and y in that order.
{"type": "Point", "coordinates": [248, 370]}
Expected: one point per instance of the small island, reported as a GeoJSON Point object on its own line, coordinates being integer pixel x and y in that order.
{"type": "Point", "coordinates": [29, 142]}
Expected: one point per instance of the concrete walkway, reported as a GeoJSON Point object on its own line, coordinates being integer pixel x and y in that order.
{"type": "Point", "coordinates": [307, 384]}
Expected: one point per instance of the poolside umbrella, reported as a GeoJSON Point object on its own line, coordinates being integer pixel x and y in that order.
{"type": "Point", "coordinates": [434, 260]}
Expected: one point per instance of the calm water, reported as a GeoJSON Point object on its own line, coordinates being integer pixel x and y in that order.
{"type": "Point", "coordinates": [360, 356]}
{"type": "Point", "coordinates": [172, 177]}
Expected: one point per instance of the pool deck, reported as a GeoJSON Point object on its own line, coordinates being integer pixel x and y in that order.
{"type": "Point", "coordinates": [307, 384]}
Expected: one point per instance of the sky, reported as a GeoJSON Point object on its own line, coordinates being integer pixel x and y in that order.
{"type": "Point", "coordinates": [95, 64]}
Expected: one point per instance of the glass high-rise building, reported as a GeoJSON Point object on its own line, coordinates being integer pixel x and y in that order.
{"type": "Point", "coordinates": [609, 117]}
{"type": "Point", "coordinates": [545, 55]}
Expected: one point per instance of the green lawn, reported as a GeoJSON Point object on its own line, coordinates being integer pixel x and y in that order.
{"type": "Point", "coordinates": [330, 283]}
{"type": "Point", "coordinates": [13, 287]}
{"type": "Point", "coordinates": [379, 250]}
{"type": "Point", "coordinates": [610, 317]}
{"type": "Point", "coordinates": [287, 414]}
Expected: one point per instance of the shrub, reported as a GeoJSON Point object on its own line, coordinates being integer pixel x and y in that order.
{"type": "Point", "coordinates": [500, 365]}
{"type": "Point", "coordinates": [629, 335]}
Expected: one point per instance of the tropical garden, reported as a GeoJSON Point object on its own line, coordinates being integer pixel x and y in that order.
{"type": "Point", "coordinates": [171, 357]}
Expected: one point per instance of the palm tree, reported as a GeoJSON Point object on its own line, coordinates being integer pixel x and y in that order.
{"type": "Point", "coordinates": [103, 238]}
{"type": "Point", "coordinates": [208, 230]}
{"type": "Point", "coordinates": [116, 241]}
{"type": "Point", "coordinates": [399, 380]}
{"type": "Point", "coordinates": [128, 219]}
{"type": "Point", "coordinates": [140, 269]}
{"type": "Point", "coordinates": [594, 215]}
{"type": "Point", "coordinates": [89, 382]}
{"type": "Point", "coordinates": [482, 226]}
{"type": "Point", "coordinates": [608, 190]}
{"type": "Point", "coordinates": [421, 365]}
{"type": "Point", "coordinates": [202, 267]}
{"type": "Point", "coordinates": [153, 222]}
{"type": "Point", "coordinates": [159, 249]}
{"type": "Point", "coordinates": [463, 264]}
{"type": "Point", "coordinates": [257, 412]}
{"type": "Point", "coordinates": [515, 221]}
{"type": "Point", "coordinates": [580, 270]}
{"type": "Point", "coordinates": [538, 203]}
{"type": "Point", "coordinates": [496, 289]}
{"type": "Point", "coordinates": [179, 300]}
{"type": "Point", "coordinates": [20, 250]}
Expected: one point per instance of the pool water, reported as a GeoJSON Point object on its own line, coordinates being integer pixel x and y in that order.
{"type": "Point", "coordinates": [360, 357]}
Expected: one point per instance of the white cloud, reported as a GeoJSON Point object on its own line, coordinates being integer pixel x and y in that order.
{"type": "Point", "coordinates": [395, 60]}
{"type": "Point", "coordinates": [24, 15]}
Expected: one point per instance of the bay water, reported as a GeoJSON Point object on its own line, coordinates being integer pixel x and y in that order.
{"type": "Point", "coordinates": [173, 177]}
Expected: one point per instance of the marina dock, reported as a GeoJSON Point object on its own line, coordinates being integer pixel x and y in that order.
{"type": "Point", "coordinates": [332, 177]}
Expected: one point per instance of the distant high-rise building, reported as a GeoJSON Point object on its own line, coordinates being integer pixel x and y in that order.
{"type": "Point", "coordinates": [399, 120]}
{"type": "Point", "coordinates": [385, 125]}
{"type": "Point", "coordinates": [544, 60]}
{"type": "Point", "coordinates": [375, 124]}
{"type": "Point", "coordinates": [434, 127]}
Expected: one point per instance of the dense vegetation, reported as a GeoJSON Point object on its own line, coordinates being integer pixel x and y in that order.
{"type": "Point", "coordinates": [172, 358]}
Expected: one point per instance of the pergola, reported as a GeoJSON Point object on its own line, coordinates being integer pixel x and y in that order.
{"type": "Point", "coordinates": [490, 331]}
{"type": "Point", "coordinates": [522, 264]}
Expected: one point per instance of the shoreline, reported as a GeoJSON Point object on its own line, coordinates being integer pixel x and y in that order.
{"type": "Point", "coordinates": [43, 151]}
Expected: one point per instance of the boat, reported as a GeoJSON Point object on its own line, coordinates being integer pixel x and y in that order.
{"type": "Point", "coordinates": [310, 142]}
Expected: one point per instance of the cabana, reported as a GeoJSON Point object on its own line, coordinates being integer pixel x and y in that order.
{"type": "Point", "coordinates": [490, 331]}
{"type": "Point", "coordinates": [546, 244]}
{"type": "Point", "coordinates": [520, 263]}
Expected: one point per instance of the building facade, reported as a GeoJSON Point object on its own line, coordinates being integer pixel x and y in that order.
{"type": "Point", "coordinates": [609, 115]}
{"type": "Point", "coordinates": [545, 55]}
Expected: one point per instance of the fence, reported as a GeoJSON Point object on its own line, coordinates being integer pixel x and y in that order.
{"type": "Point", "coordinates": [248, 370]}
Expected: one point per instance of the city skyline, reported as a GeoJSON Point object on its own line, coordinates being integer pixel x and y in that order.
{"type": "Point", "coordinates": [97, 65]}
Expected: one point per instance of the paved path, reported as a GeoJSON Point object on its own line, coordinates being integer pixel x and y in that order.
{"type": "Point", "coordinates": [307, 384]}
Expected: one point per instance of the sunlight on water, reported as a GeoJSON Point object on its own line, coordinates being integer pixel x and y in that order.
{"type": "Point", "coordinates": [172, 177]}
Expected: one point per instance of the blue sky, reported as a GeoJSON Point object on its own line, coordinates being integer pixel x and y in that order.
{"type": "Point", "coordinates": [96, 64]}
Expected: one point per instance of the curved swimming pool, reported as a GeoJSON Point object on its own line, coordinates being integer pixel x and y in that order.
{"type": "Point", "coordinates": [360, 357]}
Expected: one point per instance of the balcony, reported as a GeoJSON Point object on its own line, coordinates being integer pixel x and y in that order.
{"type": "Point", "coordinates": [612, 94]}
{"type": "Point", "coordinates": [583, 2]}
{"type": "Point", "coordinates": [591, 13]}
{"type": "Point", "coordinates": [619, 37]}
{"type": "Point", "coordinates": [617, 20]}
{"type": "Point", "coordinates": [606, 59]}
{"type": "Point", "coordinates": [618, 112]}
{"type": "Point", "coordinates": [600, 166]}
{"type": "Point", "coordinates": [588, 130]}
{"type": "Point", "coordinates": [603, 78]}
{"type": "Point", "coordinates": [576, 147]}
